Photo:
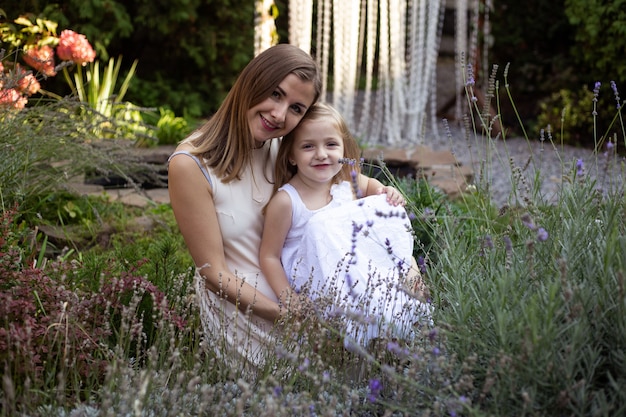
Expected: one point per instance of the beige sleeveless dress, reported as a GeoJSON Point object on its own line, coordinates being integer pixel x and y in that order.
{"type": "Point", "coordinates": [236, 336]}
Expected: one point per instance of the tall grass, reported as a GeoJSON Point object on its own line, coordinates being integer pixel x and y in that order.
{"type": "Point", "coordinates": [529, 317]}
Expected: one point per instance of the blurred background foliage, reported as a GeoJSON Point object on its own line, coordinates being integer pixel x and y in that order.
{"type": "Point", "coordinates": [191, 51]}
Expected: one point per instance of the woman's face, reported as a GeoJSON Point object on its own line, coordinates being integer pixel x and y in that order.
{"type": "Point", "coordinates": [278, 114]}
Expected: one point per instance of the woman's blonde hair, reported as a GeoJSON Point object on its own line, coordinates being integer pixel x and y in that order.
{"type": "Point", "coordinates": [225, 141]}
{"type": "Point", "coordinates": [284, 170]}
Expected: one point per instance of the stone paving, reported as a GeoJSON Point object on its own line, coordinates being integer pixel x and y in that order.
{"type": "Point", "coordinates": [439, 168]}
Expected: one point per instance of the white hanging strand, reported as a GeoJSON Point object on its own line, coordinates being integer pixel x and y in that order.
{"type": "Point", "coordinates": [403, 35]}
{"type": "Point", "coordinates": [301, 23]}
{"type": "Point", "coordinates": [486, 31]}
{"type": "Point", "coordinates": [366, 124]}
{"type": "Point", "coordinates": [324, 20]}
{"type": "Point", "coordinates": [264, 26]}
{"type": "Point", "coordinates": [460, 52]}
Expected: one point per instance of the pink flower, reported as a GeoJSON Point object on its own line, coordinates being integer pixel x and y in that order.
{"type": "Point", "coordinates": [75, 47]}
{"type": "Point", "coordinates": [10, 97]}
{"type": "Point", "coordinates": [41, 59]}
{"type": "Point", "coordinates": [28, 84]}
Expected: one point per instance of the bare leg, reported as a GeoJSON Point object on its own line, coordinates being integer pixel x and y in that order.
{"type": "Point", "coordinates": [415, 282]}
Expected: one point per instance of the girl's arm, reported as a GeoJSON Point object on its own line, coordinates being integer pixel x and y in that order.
{"type": "Point", "coordinates": [371, 186]}
{"type": "Point", "coordinates": [277, 223]}
{"type": "Point", "coordinates": [194, 210]}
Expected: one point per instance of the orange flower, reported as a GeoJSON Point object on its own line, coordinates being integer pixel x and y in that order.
{"type": "Point", "coordinates": [41, 59]}
{"type": "Point", "coordinates": [10, 97]}
{"type": "Point", "coordinates": [75, 47]}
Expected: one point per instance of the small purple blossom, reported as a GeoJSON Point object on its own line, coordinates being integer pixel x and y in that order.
{"type": "Point", "coordinates": [277, 391]}
{"type": "Point", "coordinates": [375, 386]}
{"type": "Point", "coordinates": [508, 245]}
{"type": "Point", "coordinates": [580, 168]}
{"type": "Point", "coordinates": [616, 93]}
{"type": "Point", "coordinates": [609, 146]}
{"type": "Point", "coordinates": [304, 365]}
{"type": "Point", "coordinates": [542, 234]}
{"type": "Point", "coordinates": [432, 335]}
{"type": "Point", "coordinates": [596, 90]}
{"type": "Point", "coordinates": [488, 242]}
{"type": "Point", "coordinates": [527, 221]}
{"type": "Point", "coordinates": [421, 263]}
{"type": "Point", "coordinates": [470, 76]}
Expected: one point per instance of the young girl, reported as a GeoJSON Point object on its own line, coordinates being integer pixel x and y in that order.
{"type": "Point", "coordinates": [320, 239]}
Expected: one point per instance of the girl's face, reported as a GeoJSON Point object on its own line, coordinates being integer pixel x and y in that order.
{"type": "Point", "coordinates": [278, 114]}
{"type": "Point", "coordinates": [317, 149]}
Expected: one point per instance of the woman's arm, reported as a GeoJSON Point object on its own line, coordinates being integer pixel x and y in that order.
{"type": "Point", "coordinates": [371, 186]}
{"type": "Point", "coordinates": [194, 210]}
{"type": "Point", "coordinates": [277, 223]}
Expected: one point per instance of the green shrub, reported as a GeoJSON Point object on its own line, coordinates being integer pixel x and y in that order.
{"type": "Point", "coordinates": [567, 112]}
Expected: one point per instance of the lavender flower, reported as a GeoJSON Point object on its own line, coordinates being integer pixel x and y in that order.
{"type": "Point", "coordinates": [527, 221]}
{"type": "Point", "coordinates": [580, 168]}
{"type": "Point", "coordinates": [596, 90]}
{"type": "Point", "coordinates": [508, 245]}
{"type": "Point", "coordinates": [432, 335]}
{"type": "Point", "coordinates": [421, 263]}
{"type": "Point", "coordinates": [375, 386]}
{"type": "Point", "coordinates": [542, 234]}
{"type": "Point", "coordinates": [616, 93]}
{"type": "Point", "coordinates": [305, 365]}
{"type": "Point", "coordinates": [470, 76]}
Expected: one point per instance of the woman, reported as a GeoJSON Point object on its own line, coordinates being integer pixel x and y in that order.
{"type": "Point", "coordinates": [221, 177]}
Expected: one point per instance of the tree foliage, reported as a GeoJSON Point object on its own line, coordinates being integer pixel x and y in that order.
{"type": "Point", "coordinates": [189, 51]}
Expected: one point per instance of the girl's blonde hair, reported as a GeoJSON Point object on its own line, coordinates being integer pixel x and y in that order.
{"type": "Point", "coordinates": [284, 171]}
{"type": "Point", "coordinates": [225, 141]}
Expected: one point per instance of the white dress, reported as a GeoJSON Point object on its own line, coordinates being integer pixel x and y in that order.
{"type": "Point", "coordinates": [237, 337]}
{"type": "Point", "coordinates": [351, 256]}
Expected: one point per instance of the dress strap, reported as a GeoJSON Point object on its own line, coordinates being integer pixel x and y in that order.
{"type": "Point", "coordinates": [202, 167]}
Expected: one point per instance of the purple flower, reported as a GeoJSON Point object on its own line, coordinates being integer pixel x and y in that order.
{"type": "Point", "coordinates": [542, 234]}
{"type": "Point", "coordinates": [527, 221]}
{"type": "Point", "coordinates": [508, 245]}
{"type": "Point", "coordinates": [421, 263]}
{"type": "Point", "coordinates": [326, 376]}
{"type": "Point", "coordinates": [470, 75]}
{"type": "Point", "coordinates": [596, 90]}
{"type": "Point", "coordinates": [305, 365]}
{"type": "Point", "coordinates": [609, 146]}
{"type": "Point", "coordinates": [432, 335]}
{"type": "Point", "coordinates": [375, 386]}
{"type": "Point", "coordinates": [488, 243]}
{"type": "Point", "coordinates": [616, 93]}
{"type": "Point", "coordinates": [580, 168]}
